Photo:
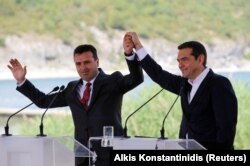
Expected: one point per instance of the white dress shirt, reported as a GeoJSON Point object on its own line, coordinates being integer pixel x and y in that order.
{"type": "Point", "coordinates": [196, 83]}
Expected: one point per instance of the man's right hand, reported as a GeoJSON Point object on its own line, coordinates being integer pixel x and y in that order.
{"type": "Point", "coordinates": [17, 70]}
{"type": "Point", "coordinates": [135, 39]}
{"type": "Point", "coordinates": [128, 45]}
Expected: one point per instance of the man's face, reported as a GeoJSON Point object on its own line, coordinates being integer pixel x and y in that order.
{"type": "Point", "coordinates": [189, 66]}
{"type": "Point", "coordinates": [86, 65]}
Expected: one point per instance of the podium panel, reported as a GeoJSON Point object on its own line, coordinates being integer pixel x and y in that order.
{"type": "Point", "coordinates": [138, 143]}
{"type": "Point", "coordinates": [41, 151]}
{"type": "Point", "coordinates": [156, 144]}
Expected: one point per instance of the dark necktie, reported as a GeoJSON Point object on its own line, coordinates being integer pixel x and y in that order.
{"type": "Point", "coordinates": [86, 95]}
{"type": "Point", "coordinates": [189, 92]}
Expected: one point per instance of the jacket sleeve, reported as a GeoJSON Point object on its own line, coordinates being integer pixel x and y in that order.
{"type": "Point", "coordinates": [38, 97]}
{"type": "Point", "coordinates": [133, 79]}
{"type": "Point", "coordinates": [162, 77]}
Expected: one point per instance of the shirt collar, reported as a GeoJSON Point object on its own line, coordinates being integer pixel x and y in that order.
{"type": "Point", "coordinates": [91, 81]}
{"type": "Point", "coordinates": [200, 78]}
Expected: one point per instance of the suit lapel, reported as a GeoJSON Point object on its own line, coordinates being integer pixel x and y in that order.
{"type": "Point", "coordinates": [97, 87]}
{"type": "Point", "coordinates": [184, 99]}
{"type": "Point", "coordinates": [187, 89]}
{"type": "Point", "coordinates": [74, 90]}
{"type": "Point", "coordinates": [199, 92]}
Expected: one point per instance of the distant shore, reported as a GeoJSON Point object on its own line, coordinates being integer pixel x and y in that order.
{"type": "Point", "coordinates": [52, 73]}
{"type": "Point", "coordinates": [34, 111]}
{"type": "Point", "coordinates": [45, 73]}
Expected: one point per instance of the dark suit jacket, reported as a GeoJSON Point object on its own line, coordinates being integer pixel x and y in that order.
{"type": "Point", "coordinates": [211, 117]}
{"type": "Point", "coordinates": [105, 105]}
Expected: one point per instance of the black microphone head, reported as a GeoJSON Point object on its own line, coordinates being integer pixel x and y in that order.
{"type": "Point", "coordinates": [55, 89]}
{"type": "Point", "coordinates": [62, 87]}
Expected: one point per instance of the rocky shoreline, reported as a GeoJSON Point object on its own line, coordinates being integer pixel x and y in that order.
{"type": "Point", "coordinates": [46, 55]}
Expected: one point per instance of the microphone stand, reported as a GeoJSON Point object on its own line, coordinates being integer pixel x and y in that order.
{"type": "Point", "coordinates": [125, 128]}
{"type": "Point", "coordinates": [52, 101]}
{"type": "Point", "coordinates": [6, 128]}
{"type": "Point", "coordinates": [162, 128]}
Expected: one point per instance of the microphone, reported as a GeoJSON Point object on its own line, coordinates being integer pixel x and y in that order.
{"type": "Point", "coordinates": [162, 128]}
{"type": "Point", "coordinates": [6, 128]}
{"type": "Point", "coordinates": [52, 101]}
{"type": "Point", "coordinates": [125, 128]}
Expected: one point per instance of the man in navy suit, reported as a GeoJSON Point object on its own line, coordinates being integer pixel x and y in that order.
{"type": "Point", "coordinates": [106, 94]}
{"type": "Point", "coordinates": [208, 101]}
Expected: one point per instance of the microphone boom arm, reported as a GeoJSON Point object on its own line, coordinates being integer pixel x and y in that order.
{"type": "Point", "coordinates": [52, 101]}
{"type": "Point", "coordinates": [162, 128]}
{"type": "Point", "coordinates": [125, 128]}
{"type": "Point", "coordinates": [6, 128]}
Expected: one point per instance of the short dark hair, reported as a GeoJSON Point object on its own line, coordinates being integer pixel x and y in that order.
{"type": "Point", "coordinates": [197, 49]}
{"type": "Point", "coordinates": [85, 48]}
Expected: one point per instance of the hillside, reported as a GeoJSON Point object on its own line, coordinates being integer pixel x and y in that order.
{"type": "Point", "coordinates": [43, 33]}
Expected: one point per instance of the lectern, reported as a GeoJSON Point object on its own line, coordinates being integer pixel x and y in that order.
{"type": "Point", "coordinates": [41, 151]}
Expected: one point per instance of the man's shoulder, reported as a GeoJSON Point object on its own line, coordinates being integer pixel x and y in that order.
{"type": "Point", "coordinates": [111, 75]}
{"type": "Point", "coordinates": [218, 80]}
{"type": "Point", "coordinates": [116, 74]}
{"type": "Point", "coordinates": [74, 82]}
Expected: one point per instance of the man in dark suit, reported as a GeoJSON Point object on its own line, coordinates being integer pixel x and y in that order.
{"type": "Point", "coordinates": [103, 108]}
{"type": "Point", "coordinates": [208, 101]}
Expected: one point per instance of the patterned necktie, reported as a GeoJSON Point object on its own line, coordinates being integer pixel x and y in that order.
{"type": "Point", "coordinates": [86, 95]}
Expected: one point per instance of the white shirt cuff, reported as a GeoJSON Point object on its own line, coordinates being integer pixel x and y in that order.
{"type": "Point", "coordinates": [141, 53]}
{"type": "Point", "coordinates": [20, 84]}
{"type": "Point", "coordinates": [131, 57]}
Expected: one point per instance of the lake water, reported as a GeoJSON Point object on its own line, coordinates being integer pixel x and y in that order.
{"type": "Point", "coordinates": [12, 99]}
